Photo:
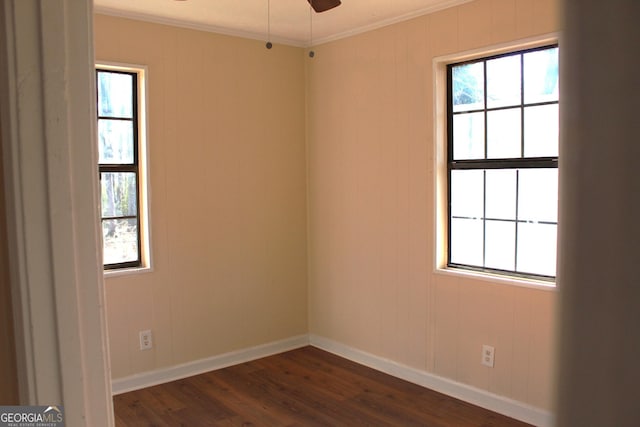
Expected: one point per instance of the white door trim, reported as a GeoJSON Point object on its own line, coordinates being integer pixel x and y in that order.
{"type": "Point", "coordinates": [47, 110]}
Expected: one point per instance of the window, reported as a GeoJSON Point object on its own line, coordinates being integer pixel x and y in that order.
{"type": "Point", "coordinates": [121, 177]}
{"type": "Point", "coordinates": [502, 163]}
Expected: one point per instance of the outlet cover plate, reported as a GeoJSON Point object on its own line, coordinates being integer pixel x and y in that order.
{"type": "Point", "coordinates": [488, 355]}
{"type": "Point", "coordinates": [146, 340]}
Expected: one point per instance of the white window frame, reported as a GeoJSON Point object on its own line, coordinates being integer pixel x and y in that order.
{"type": "Point", "coordinates": [440, 161]}
{"type": "Point", "coordinates": [143, 167]}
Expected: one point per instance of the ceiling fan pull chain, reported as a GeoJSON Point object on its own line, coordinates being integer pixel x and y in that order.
{"type": "Point", "coordinates": [311, 52]}
{"type": "Point", "coordinates": [269, 44]}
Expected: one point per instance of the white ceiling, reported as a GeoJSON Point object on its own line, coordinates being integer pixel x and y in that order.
{"type": "Point", "coordinates": [290, 20]}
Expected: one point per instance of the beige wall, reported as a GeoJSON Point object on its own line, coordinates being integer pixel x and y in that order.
{"type": "Point", "coordinates": [372, 284]}
{"type": "Point", "coordinates": [228, 196]}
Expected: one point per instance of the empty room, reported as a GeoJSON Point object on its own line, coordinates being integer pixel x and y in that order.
{"type": "Point", "coordinates": [363, 215]}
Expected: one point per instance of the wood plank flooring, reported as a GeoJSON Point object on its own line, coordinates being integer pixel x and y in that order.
{"type": "Point", "coordinates": [303, 387]}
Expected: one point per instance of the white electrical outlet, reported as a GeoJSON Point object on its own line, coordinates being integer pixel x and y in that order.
{"type": "Point", "coordinates": [146, 340]}
{"type": "Point", "coordinates": [488, 355]}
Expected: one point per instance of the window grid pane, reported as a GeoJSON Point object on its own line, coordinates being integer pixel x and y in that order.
{"type": "Point", "coordinates": [116, 141]}
{"type": "Point", "coordinates": [468, 87]}
{"type": "Point", "coordinates": [513, 183]}
{"type": "Point", "coordinates": [115, 94]}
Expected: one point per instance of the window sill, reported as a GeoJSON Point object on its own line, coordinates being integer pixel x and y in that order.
{"type": "Point", "coordinates": [126, 272]}
{"type": "Point", "coordinates": [499, 279]}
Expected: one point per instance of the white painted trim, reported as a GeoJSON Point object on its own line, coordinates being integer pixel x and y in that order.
{"type": "Point", "coordinates": [499, 48]}
{"type": "Point", "coordinates": [495, 278]}
{"type": "Point", "coordinates": [473, 395]}
{"type": "Point", "coordinates": [181, 23]}
{"type": "Point", "coordinates": [160, 376]}
{"type": "Point", "coordinates": [444, 4]}
{"type": "Point", "coordinates": [49, 152]}
{"type": "Point", "coordinates": [500, 404]}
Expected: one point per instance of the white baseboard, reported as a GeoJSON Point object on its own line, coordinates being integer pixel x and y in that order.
{"type": "Point", "coordinates": [159, 376]}
{"type": "Point", "coordinates": [493, 402]}
{"type": "Point", "coordinates": [500, 404]}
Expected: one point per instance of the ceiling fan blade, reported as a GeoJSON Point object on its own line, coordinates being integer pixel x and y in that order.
{"type": "Point", "coordinates": [322, 5]}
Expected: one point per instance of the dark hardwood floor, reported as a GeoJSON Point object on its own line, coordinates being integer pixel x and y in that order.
{"type": "Point", "coordinates": [303, 387]}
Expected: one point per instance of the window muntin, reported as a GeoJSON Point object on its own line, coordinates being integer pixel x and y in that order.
{"type": "Point", "coordinates": [118, 154]}
{"type": "Point", "coordinates": [502, 163]}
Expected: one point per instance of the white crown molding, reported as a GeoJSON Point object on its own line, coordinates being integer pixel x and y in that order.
{"type": "Point", "coordinates": [184, 370]}
{"type": "Point", "coordinates": [181, 23]}
{"type": "Point", "coordinates": [445, 4]}
{"type": "Point", "coordinates": [493, 402]}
